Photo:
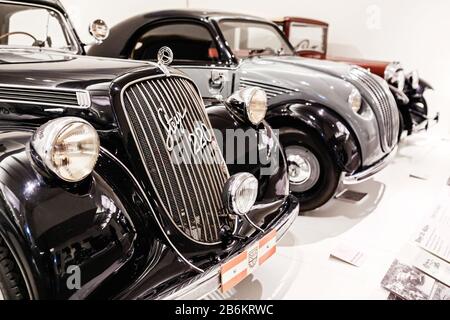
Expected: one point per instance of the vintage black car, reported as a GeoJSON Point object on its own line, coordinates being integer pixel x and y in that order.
{"type": "Point", "coordinates": [91, 203]}
{"type": "Point", "coordinates": [337, 122]}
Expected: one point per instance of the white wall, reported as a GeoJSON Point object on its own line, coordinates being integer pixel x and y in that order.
{"type": "Point", "coordinates": [411, 31]}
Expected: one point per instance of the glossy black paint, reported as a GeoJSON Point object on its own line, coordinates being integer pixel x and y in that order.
{"type": "Point", "coordinates": [413, 106]}
{"type": "Point", "coordinates": [324, 124]}
{"type": "Point", "coordinates": [110, 224]}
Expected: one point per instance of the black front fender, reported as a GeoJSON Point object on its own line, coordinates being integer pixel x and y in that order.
{"type": "Point", "coordinates": [52, 228]}
{"type": "Point", "coordinates": [326, 125]}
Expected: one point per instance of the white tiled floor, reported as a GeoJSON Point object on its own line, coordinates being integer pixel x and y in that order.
{"type": "Point", "coordinates": [380, 226]}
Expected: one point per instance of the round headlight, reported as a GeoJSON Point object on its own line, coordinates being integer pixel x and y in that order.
{"type": "Point", "coordinates": [240, 193]}
{"type": "Point", "coordinates": [250, 104]}
{"type": "Point", "coordinates": [355, 100]}
{"type": "Point", "coordinates": [68, 147]}
{"type": "Point", "coordinates": [257, 106]}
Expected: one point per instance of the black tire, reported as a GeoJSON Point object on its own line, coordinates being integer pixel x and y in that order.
{"type": "Point", "coordinates": [12, 285]}
{"type": "Point", "coordinates": [326, 184]}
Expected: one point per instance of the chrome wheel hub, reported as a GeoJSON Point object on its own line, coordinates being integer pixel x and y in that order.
{"type": "Point", "coordinates": [303, 168]}
{"type": "Point", "coordinates": [299, 169]}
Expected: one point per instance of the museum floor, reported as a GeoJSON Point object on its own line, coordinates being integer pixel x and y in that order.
{"type": "Point", "coordinates": [379, 226]}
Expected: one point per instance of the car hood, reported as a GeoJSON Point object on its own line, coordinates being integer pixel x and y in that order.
{"type": "Point", "coordinates": [335, 69]}
{"type": "Point", "coordinates": [309, 79]}
{"type": "Point", "coordinates": [43, 68]}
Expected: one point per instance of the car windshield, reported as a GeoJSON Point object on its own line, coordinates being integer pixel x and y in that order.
{"type": "Point", "coordinates": [307, 37]}
{"type": "Point", "coordinates": [25, 26]}
{"type": "Point", "coordinates": [250, 38]}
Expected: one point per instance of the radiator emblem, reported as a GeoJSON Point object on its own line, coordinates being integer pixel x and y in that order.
{"type": "Point", "coordinates": [165, 56]}
{"type": "Point", "coordinates": [176, 132]}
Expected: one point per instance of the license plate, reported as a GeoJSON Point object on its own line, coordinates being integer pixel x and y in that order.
{"type": "Point", "coordinates": [241, 266]}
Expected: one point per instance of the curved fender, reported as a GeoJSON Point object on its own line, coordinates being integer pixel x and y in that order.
{"type": "Point", "coordinates": [326, 124]}
{"type": "Point", "coordinates": [56, 232]}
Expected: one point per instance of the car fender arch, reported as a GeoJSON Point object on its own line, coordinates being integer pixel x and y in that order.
{"type": "Point", "coordinates": [49, 227]}
{"type": "Point", "coordinates": [325, 124]}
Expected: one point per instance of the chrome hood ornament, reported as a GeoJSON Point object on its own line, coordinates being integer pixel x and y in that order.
{"type": "Point", "coordinates": [165, 58]}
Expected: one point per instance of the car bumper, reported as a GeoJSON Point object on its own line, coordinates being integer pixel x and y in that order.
{"type": "Point", "coordinates": [209, 281]}
{"type": "Point", "coordinates": [371, 171]}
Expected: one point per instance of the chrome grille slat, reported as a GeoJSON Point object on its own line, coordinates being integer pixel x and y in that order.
{"type": "Point", "coordinates": [217, 190]}
{"type": "Point", "coordinates": [384, 111]}
{"type": "Point", "coordinates": [193, 111]}
{"type": "Point", "coordinates": [171, 164]}
{"type": "Point", "coordinates": [171, 110]}
{"type": "Point", "coordinates": [217, 178]}
{"type": "Point", "coordinates": [197, 193]}
{"type": "Point", "coordinates": [271, 90]}
{"type": "Point", "coordinates": [167, 202]}
{"type": "Point", "coordinates": [220, 177]}
{"type": "Point", "coordinates": [43, 96]}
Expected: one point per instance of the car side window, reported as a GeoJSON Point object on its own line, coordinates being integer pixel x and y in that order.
{"type": "Point", "coordinates": [190, 42]}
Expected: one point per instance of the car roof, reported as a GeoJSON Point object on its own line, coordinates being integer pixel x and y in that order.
{"type": "Point", "coordinates": [201, 14]}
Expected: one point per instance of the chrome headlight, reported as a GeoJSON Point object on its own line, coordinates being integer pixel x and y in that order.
{"type": "Point", "coordinates": [395, 75]}
{"type": "Point", "coordinates": [240, 193]}
{"type": "Point", "coordinates": [68, 147]}
{"type": "Point", "coordinates": [251, 102]}
{"type": "Point", "coordinates": [355, 100]}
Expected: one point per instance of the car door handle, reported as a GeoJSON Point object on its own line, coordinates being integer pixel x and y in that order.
{"type": "Point", "coordinates": [216, 80]}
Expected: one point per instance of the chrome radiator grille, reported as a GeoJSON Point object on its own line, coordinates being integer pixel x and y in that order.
{"type": "Point", "coordinates": [386, 113]}
{"type": "Point", "coordinates": [271, 90]}
{"type": "Point", "coordinates": [190, 193]}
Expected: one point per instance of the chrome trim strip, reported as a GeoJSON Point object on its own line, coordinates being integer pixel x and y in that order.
{"type": "Point", "coordinates": [370, 172]}
{"type": "Point", "coordinates": [82, 96]}
{"type": "Point", "coordinates": [385, 112]}
{"type": "Point", "coordinates": [151, 208]}
{"type": "Point", "coordinates": [204, 67]}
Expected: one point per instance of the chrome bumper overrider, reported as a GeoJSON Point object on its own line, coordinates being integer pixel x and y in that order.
{"type": "Point", "coordinates": [370, 172]}
{"type": "Point", "coordinates": [209, 281]}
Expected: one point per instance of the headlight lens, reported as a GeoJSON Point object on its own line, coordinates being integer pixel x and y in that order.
{"type": "Point", "coordinates": [355, 100]}
{"type": "Point", "coordinates": [240, 193]}
{"type": "Point", "coordinates": [257, 107]}
{"type": "Point", "coordinates": [68, 147]}
{"type": "Point", "coordinates": [250, 104]}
